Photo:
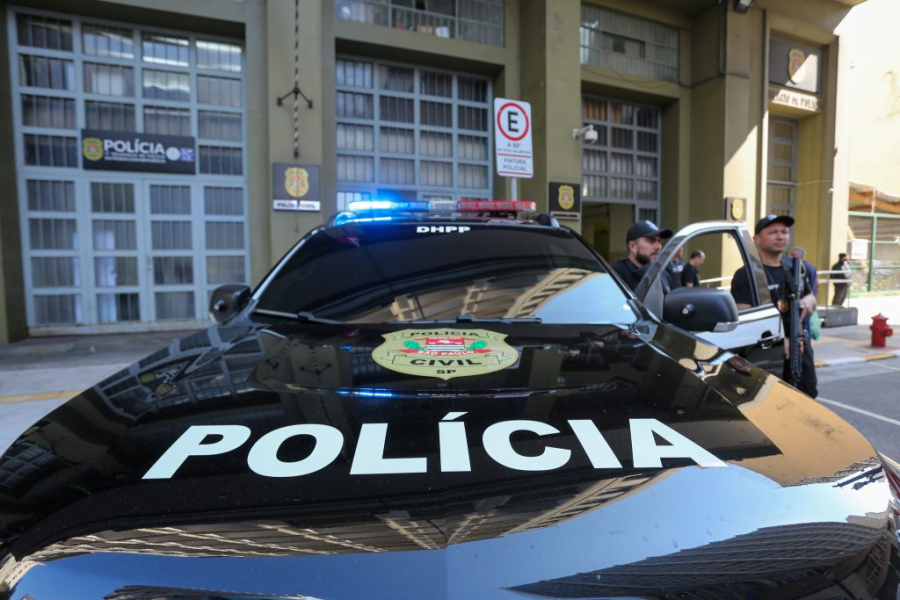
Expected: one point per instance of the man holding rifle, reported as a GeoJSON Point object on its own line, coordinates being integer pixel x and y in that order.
{"type": "Point", "coordinates": [790, 289]}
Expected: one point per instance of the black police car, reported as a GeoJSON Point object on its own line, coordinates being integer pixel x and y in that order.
{"type": "Point", "coordinates": [447, 406]}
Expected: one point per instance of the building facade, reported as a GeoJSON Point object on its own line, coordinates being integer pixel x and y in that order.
{"type": "Point", "coordinates": [149, 145]}
{"type": "Point", "coordinates": [874, 81]}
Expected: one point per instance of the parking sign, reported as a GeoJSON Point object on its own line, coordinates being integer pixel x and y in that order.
{"type": "Point", "coordinates": [512, 138]}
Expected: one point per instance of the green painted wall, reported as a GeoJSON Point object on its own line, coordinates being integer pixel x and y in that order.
{"type": "Point", "coordinates": [12, 299]}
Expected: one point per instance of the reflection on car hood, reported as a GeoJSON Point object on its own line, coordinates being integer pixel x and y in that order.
{"type": "Point", "coordinates": [537, 477]}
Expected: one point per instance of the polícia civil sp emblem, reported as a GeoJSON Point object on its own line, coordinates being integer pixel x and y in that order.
{"type": "Point", "coordinates": [445, 353]}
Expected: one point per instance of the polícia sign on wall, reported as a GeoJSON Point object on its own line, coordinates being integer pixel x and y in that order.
{"type": "Point", "coordinates": [130, 151]}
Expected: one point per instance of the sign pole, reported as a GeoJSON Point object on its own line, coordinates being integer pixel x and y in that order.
{"type": "Point", "coordinates": [515, 195]}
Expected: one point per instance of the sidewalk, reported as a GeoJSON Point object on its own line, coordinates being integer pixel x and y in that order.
{"type": "Point", "coordinates": [60, 367]}
{"type": "Point", "coordinates": [847, 345]}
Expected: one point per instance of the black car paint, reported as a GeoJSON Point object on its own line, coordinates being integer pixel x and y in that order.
{"type": "Point", "coordinates": [803, 507]}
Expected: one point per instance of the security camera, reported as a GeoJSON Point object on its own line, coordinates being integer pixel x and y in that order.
{"type": "Point", "coordinates": [586, 133]}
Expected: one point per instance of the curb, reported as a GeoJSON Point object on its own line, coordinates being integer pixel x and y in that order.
{"type": "Point", "coordinates": [44, 396]}
{"type": "Point", "coordinates": [849, 360]}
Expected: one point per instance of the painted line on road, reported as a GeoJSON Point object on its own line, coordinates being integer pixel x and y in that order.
{"type": "Point", "coordinates": [860, 411]}
{"type": "Point", "coordinates": [44, 396]}
{"type": "Point", "coordinates": [888, 367]}
{"type": "Point", "coordinates": [849, 360]}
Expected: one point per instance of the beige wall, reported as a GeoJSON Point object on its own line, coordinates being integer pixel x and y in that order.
{"type": "Point", "coordinates": [874, 95]}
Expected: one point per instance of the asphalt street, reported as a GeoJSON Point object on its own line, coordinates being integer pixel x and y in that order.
{"type": "Point", "coordinates": [866, 395]}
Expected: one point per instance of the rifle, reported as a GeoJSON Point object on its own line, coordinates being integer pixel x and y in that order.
{"type": "Point", "coordinates": [795, 287]}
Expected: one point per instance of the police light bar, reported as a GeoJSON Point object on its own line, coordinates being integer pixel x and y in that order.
{"type": "Point", "coordinates": [365, 206]}
{"type": "Point", "coordinates": [496, 206]}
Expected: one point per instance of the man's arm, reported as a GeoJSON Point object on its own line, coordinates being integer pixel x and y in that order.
{"type": "Point", "coordinates": [740, 289]}
{"type": "Point", "coordinates": [808, 302]}
{"type": "Point", "coordinates": [807, 305]}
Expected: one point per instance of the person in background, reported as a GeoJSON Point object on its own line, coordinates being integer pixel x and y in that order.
{"type": "Point", "coordinates": [840, 288]}
{"type": "Point", "coordinates": [675, 268]}
{"type": "Point", "coordinates": [690, 276]}
{"type": "Point", "coordinates": [813, 274]}
{"type": "Point", "coordinates": [772, 235]}
{"type": "Point", "coordinates": [644, 242]}
{"type": "Point", "coordinates": [800, 253]}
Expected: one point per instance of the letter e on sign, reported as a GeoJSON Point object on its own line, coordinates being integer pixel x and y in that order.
{"type": "Point", "coordinates": [512, 138]}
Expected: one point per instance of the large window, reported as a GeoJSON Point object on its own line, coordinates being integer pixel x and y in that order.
{"type": "Point", "coordinates": [626, 44]}
{"type": "Point", "coordinates": [479, 21]}
{"type": "Point", "coordinates": [623, 166]}
{"type": "Point", "coordinates": [411, 133]}
{"type": "Point", "coordinates": [106, 249]}
{"type": "Point", "coordinates": [782, 177]}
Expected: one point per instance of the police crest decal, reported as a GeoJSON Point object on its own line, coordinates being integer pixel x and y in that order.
{"type": "Point", "coordinates": [445, 353]}
{"type": "Point", "coordinates": [296, 182]}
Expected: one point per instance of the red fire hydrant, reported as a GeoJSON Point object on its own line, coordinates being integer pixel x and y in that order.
{"type": "Point", "coordinates": [880, 330]}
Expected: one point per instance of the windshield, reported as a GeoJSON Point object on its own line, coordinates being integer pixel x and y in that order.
{"type": "Point", "coordinates": [383, 272]}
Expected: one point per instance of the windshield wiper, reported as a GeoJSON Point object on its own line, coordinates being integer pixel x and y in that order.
{"type": "Point", "coordinates": [303, 316]}
{"type": "Point", "coordinates": [470, 319]}
{"type": "Point", "coordinates": [473, 319]}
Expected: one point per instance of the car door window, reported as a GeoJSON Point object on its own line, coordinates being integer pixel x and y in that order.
{"type": "Point", "coordinates": [716, 260]}
{"type": "Point", "coordinates": [730, 262]}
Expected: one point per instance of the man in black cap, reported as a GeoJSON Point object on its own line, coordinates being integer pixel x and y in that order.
{"type": "Point", "coordinates": [644, 240]}
{"type": "Point", "coordinates": [772, 235]}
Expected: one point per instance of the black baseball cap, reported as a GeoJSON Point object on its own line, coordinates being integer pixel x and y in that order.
{"type": "Point", "coordinates": [769, 219]}
{"type": "Point", "coordinates": [646, 229]}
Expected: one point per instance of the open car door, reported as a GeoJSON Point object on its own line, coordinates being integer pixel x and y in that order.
{"type": "Point", "coordinates": [727, 247]}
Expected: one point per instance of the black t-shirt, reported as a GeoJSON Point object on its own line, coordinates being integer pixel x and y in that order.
{"type": "Point", "coordinates": [630, 273]}
{"type": "Point", "coordinates": [690, 274]}
{"type": "Point", "coordinates": [675, 269]}
{"type": "Point", "coordinates": [777, 279]}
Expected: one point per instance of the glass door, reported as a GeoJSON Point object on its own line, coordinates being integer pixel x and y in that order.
{"type": "Point", "coordinates": [114, 253]}
{"type": "Point", "coordinates": [173, 231]}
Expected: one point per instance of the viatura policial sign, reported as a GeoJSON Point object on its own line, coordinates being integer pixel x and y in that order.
{"type": "Point", "coordinates": [130, 151]}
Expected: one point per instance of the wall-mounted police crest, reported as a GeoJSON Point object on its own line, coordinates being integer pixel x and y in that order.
{"type": "Point", "coordinates": [295, 187]}
{"type": "Point", "coordinates": [566, 197]}
{"type": "Point", "coordinates": [296, 181]}
{"type": "Point", "coordinates": [796, 65]}
{"type": "Point", "coordinates": [565, 200]}
{"type": "Point", "coordinates": [92, 148]}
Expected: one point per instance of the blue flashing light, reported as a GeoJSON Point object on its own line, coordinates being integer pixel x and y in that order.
{"type": "Point", "coordinates": [368, 393]}
{"type": "Point", "coordinates": [371, 219]}
{"type": "Point", "coordinates": [364, 206]}
{"type": "Point", "coordinates": [343, 218]}
{"type": "Point", "coordinates": [375, 393]}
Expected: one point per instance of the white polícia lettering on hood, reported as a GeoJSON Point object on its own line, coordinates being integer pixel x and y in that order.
{"type": "Point", "coordinates": [369, 459]}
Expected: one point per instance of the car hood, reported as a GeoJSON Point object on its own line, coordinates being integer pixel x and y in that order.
{"type": "Point", "coordinates": [286, 458]}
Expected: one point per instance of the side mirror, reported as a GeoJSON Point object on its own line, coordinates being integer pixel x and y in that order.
{"type": "Point", "coordinates": [701, 309]}
{"type": "Point", "coordinates": [227, 300]}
